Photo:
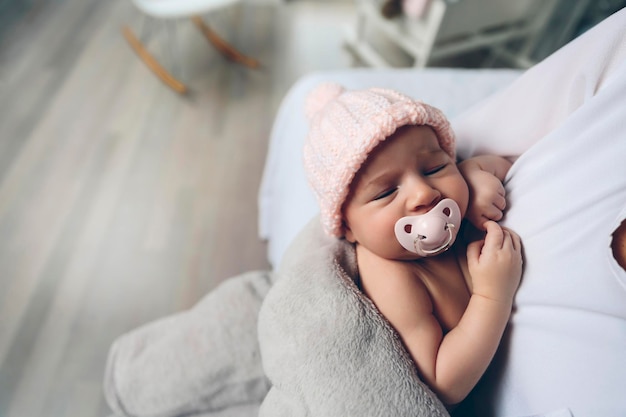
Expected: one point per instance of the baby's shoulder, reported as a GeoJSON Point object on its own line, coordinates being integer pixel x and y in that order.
{"type": "Point", "coordinates": [370, 263]}
{"type": "Point", "coordinates": [396, 288]}
{"type": "Point", "coordinates": [390, 274]}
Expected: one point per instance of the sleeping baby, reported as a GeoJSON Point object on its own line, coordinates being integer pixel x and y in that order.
{"type": "Point", "coordinates": [383, 168]}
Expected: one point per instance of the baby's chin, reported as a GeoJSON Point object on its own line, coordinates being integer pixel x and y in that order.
{"type": "Point", "coordinates": [405, 256]}
{"type": "Point", "coordinates": [396, 254]}
{"type": "Point", "coordinates": [410, 257]}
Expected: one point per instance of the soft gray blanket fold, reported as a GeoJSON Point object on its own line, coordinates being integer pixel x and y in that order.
{"type": "Point", "coordinates": [323, 345]}
{"type": "Point", "coordinates": [326, 349]}
{"type": "Point", "coordinates": [203, 361]}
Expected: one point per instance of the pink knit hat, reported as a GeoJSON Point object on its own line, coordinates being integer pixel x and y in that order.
{"type": "Point", "coordinates": [345, 127]}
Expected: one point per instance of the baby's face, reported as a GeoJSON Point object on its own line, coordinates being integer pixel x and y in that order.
{"type": "Point", "coordinates": [406, 175]}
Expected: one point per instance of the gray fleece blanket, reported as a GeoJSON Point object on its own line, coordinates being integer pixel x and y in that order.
{"type": "Point", "coordinates": [300, 342]}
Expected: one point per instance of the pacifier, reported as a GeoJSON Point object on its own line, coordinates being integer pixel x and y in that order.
{"type": "Point", "coordinates": [430, 233]}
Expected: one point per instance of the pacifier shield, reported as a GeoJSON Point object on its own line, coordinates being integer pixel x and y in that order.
{"type": "Point", "coordinates": [430, 233]}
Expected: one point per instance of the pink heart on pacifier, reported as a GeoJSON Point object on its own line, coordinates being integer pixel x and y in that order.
{"type": "Point", "coordinates": [430, 233]}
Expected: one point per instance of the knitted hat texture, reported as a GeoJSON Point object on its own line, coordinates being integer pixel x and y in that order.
{"type": "Point", "coordinates": [345, 126]}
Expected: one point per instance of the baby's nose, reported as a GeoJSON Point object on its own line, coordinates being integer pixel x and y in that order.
{"type": "Point", "coordinates": [423, 197]}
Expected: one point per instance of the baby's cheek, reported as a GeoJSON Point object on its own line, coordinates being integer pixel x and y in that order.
{"type": "Point", "coordinates": [386, 242]}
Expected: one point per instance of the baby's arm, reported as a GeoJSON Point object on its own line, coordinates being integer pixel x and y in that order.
{"type": "Point", "coordinates": [451, 364]}
{"type": "Point", "coordinates": [495, 266]}
{"type": "Point", "coordinates": [484, 175]}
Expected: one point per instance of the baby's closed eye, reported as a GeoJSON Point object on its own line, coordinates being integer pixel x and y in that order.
{"type": "Point", "coordinates": [435, 170]}
{"type": "Point", "coordinates": [384, 194]}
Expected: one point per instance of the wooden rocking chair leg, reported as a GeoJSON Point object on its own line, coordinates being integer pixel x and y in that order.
{"type": "Point", "coordinates": [226, 49]}
{"type": "Point", "coordinates": [152, 63]}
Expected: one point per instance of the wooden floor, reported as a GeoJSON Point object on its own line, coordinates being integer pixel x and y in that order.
{"type": "Point", "coordinates": [120, 201]}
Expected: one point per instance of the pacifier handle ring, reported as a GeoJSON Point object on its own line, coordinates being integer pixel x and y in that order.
{"type": "Point", "coordinates": [444, 246]}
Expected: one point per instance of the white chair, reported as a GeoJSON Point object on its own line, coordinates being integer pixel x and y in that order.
{"type": "Point", "coordinates": [450, 28]}
{"type": "Point", "coordinates": [162, 13]}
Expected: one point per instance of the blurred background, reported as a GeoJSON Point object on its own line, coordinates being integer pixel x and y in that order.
{"type": "Point", "coordinates": [121, 200]}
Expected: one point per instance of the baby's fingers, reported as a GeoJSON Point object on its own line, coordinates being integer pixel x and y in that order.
{"type": "Point", "coordinates": [494, 210]}
{"type": "Point", "coordinates": [493, 213]}
{"type": "Point", "coordinates": [473, 251]}
{"type": "Point", "coordinates": [499, 201]}
{"type": "Point", "coordinates": [513, 239]}
{"type": "Point", "coordinates": [495, 235]}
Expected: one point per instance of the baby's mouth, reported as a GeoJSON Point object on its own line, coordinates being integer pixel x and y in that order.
{"type": "Point", "coordinates": [430, 233]}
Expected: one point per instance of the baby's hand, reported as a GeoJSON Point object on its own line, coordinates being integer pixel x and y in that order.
{"type": "Point", "coordinates": [487, 198]}
{"type": "Point", "coordinates": [484, 175]}
{"type": "Point", "coordinates": [495, 263]}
